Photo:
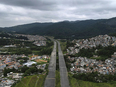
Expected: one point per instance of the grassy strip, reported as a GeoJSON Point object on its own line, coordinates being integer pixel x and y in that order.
{"type": "Point", "coordinates": [63, 46]}
{"type": "Point", "coordinates": [41, 80]}
{"type": "Point", "coordinates": [79, 83]}
{"type": "Point", "coordinates": [24, 82]}
{"type": "Point", "coordinates": [36, 82]}
{"type": "Point", "coordinates": [58, 79]}
{"type": "Point", "coordinates": [30, 81]}
{"type": "Point", "coordinates": [57, 74]}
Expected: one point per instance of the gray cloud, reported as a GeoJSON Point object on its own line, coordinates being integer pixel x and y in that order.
{"type": "Point", "coordinates": [14, 12]}
{"type": "Point", "coordinates": [33, 4]}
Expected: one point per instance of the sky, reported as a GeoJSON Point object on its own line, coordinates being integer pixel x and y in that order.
{"type": "Point", "coordinates": [17, 12]}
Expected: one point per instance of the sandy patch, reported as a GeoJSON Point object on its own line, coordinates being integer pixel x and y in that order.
{"type": "Point", "coordinates": [40, 60]}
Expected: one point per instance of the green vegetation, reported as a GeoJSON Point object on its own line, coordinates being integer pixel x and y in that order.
{"type": "Point", "coordinates": [67, 29]}
{"type": "Point", "coordinates": [79, 83]}
{"type": "Point", "coordinates": [22, 47]}
{"type": "Point", "coordinates": [9, 42]}
{"type": "Point", "coordinates": [65, 44]}
{"type": "Point", "coordinates": [22, 60]}
{"type": "Point", "coordinates": [68, 62]}
{"type": "Point", "coordinates": [86, 53]}
{"type": "Point", "coordinates": [43, 50]}
{"type": "Point", "coordinates": [57, 63]}
{"type": "Point", "coordinates": [57, 74]}
{"type": "Point", "coordinates": [95, 77]}
{"type": "Point", "coordinates": [102, 58]}
{"type": "Point", "coordinates": [32, 81]}
{"type": "Point", "coordinates": [40, 63]}
{"type": "Point", "coordinates": [19, 51]}
{"type": "Point", "coordinates": [26, 70]}
{"type": "Point", "coordinates": [57, 77]}
{"type": "Point", "coordinates": [103, 52]}
{"type": "Point", "coordinates": [32, 70]}
{"type": "Point", "coordinates": [112, 34]}
{"type": "Point", "coordinates": [8, 71]}
{"type": "Point", "coordinates": [8, 35]}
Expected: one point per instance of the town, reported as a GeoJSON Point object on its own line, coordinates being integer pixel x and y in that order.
{"type": "Point", "coordinates": [38, 40]}
{"type": "Point", "coordinates": [14, 62]}
{"type": "Point", "coordinates": [85, 65]}
{"type": "Point", "coordinates": [13, 66]}
{"type": "Point", "coordinates": [103, 40]}
{"type": "Point", "coordinates": [96, 54]}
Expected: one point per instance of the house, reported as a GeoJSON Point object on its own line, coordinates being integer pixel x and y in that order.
{"type": "Point", "coordinates": [15, 75]}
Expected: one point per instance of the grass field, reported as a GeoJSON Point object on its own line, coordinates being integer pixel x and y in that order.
{"type": "Point", "coordinates": [35, 52]}
{"type": "Point", "coordinates": [80, 83]}
{"type": "Point", "coordinates": [41, 61]}
{"type": "Point", "coordinates": [32, 81]}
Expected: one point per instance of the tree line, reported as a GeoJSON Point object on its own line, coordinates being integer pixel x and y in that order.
{"type": "Point", "coordinates": [26, 70]}
{"type": "Point", "coordinates": [95, 77]}
{"type": "Point", "coordinates": [103, 52]}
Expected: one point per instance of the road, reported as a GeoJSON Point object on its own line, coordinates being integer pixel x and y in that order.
{"type": "Point", "coordinates": [63, 70]}
{"type": "Point", "coordinates": [50, 79]}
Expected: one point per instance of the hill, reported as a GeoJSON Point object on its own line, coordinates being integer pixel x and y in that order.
{"type": "Point", "coordinates": [68, 29]}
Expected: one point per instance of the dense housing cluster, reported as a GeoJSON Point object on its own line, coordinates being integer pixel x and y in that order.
{"type": "Point", "coordinates": [103, 40]}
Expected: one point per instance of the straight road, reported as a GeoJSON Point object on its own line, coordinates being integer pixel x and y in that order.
{"type": "Point", "coordinates": [50, 79]}
{"type": "Point", "coordinates": [63, 70]}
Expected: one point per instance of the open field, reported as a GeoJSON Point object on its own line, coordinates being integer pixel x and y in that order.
{"type": "Point", "coordinates": [40, 61]}
{"type": "Point", "coordinates": [32, 81]}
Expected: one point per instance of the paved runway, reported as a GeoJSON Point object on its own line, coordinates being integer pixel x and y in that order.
{"type": "Point", "coordinates": [50, 79]}
{"type": "Point", "coordinates": [63, 70]}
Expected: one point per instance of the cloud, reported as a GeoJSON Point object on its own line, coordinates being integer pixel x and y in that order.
{"type": "Point", "coordinates": [15, 12]}
{"type": "Point", "coordinates": [31, 4]}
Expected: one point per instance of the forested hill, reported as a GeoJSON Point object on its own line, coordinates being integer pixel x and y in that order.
{"type": "Point", "coordinates": [68, 29]}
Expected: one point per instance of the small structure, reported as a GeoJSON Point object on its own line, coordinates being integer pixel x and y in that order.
{"type": "Point", "coordinates": [6, 46]}
{"type": "Point", "coordinates": [30, 63]}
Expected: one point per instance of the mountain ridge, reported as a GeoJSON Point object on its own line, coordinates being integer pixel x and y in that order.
{"type": "Point", "coordinates": [67, 29]}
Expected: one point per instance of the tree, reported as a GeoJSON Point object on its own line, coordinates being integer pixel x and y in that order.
{"type": "Point", "coordinates": [5, 72]}
{"type": "Point", "coordinates": [40, 70]}
{"type": "Point", "coordinates": [24, 68]}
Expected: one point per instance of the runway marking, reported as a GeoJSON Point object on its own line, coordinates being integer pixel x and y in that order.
{"type": "Point", "coordinates": [50, 78]}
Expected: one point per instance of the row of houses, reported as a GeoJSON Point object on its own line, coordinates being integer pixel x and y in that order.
{"type": "Point", "coordinates": [6, 82]}
{"type": "Point", "coordinates": [10, 61]}
{"type": "Point", "coordinates": [34, 57]}
{"type": "Point", "coordinates": [103, 40]}
{"type": "Point", "coordinates": [14, 77]}
{"type": "Point", "coordinates": [85, 65]}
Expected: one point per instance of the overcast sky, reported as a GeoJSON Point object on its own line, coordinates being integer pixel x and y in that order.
{"type": "Point", "coordinates": [16, 12]}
